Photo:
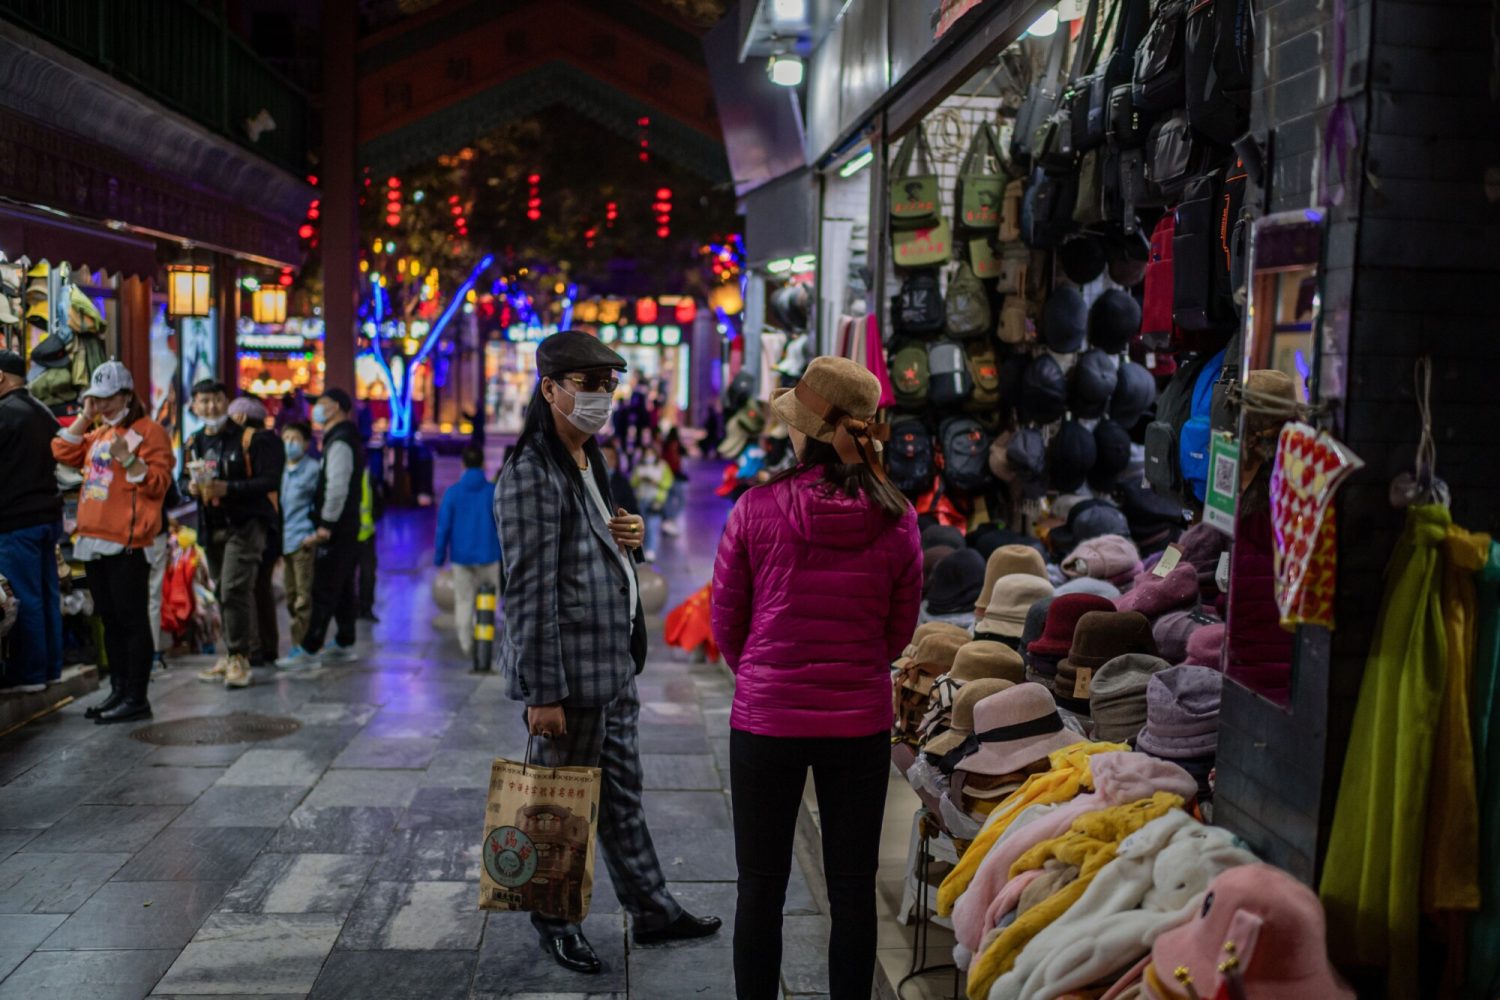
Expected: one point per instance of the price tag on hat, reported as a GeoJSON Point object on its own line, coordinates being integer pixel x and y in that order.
{"type": "Point", "coordinates": [1083, 682]}
{"type": "Point", "coordinates": [1170, 557]}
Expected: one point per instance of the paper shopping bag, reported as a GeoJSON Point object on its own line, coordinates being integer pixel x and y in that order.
{"type": "Point", "coordinates": [539, 828]}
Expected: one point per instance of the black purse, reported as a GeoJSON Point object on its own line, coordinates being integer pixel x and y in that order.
{"type": "Point", "coordinates": [1041, 101]}
{"type": "Point", "coordinates": [1159, 78]}
{"type": "Point", "coordinates": [1129, 127]}
{"type": "Point", "coordinates": [1174, 156]}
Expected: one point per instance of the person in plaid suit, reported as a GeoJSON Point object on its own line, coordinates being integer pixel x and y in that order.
{"type": "Point", "coordinates": [575, 635]}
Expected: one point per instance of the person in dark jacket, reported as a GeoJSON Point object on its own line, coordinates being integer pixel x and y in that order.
{"type": "Point", "coordinates": [30, 512]}
{"type": "Point", "coordinates": [622, 494]}
{"type": "Point", "coordinates": [234, 471]}
{"type": "Point", "coordinates": [575, 634]}
{"type": "Point", "coordinates": [466, 532]}
{"type": "Point", "coordinates": [335, 540]}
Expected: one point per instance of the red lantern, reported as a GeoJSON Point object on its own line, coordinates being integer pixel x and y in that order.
{"type": "Point", "coordinates": [645, 311]}
{"type": "Point", "coordinates": [686, 311]}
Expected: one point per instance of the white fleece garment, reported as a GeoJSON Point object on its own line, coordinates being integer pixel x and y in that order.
{"type": "Point", "coordinates": [1157, 881]}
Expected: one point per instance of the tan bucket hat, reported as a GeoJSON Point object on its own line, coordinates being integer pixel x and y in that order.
{"type": "Point", "coordinates": [835, 402]}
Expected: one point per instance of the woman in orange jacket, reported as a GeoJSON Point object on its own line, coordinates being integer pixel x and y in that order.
{"type": "Point", "coordinates": [127, 462]}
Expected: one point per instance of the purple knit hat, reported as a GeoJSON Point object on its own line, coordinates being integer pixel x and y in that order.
{"type": "Point", "coordinates": [1205, 647]}
{"type": "Point", "coordinates": [1201, 547]}
{"type": "Point", "coordinates": [1173, 629]}
{"type": "Point", "coordinates": [1182, 713]}
{"type": "Point", "coordinates": [1153, 596]}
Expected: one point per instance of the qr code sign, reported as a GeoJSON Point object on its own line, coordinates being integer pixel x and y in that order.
{"type": "Point", "coordinates": [1224, 475]}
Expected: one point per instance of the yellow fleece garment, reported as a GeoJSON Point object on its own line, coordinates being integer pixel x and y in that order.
{"type": "Point", "coordinates": [1450, 868]}
{"type": "Point", "coordinates": [1090, 844]}
{"type": "Point", "coordinates": [1070, 774]}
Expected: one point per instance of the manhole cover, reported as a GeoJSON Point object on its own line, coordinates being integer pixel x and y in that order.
{"type": "Point", "coordinates": [216, 730]}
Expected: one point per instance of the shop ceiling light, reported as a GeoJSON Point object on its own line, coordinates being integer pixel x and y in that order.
{"type": "Point", "coordinates": [1044, 26]}
{"type": "Point", "coordinates": [188, 290]}
{"type": "Point", "coordinates": [857, 164]}
{"type": "Point", "coordinates": [785, 71]}
{"type": "Point", "coordinates": [268, 304]}
{"type": "Point", "coordinates": [789, 11]}
{"type": "Point", "coordinates": [779, 266]}
{"type": "Point", "coordinates": [804, 262]}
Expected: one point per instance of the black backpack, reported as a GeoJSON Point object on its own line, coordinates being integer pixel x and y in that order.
{"type": "Point", "coordinates": [1202, 290]}
{"type": "Point", "coordinates": [1157, 83]}
{"type": "Point", "coordinates": [949, 383]}
{"type": "Point", "coordinates": [909, 456]}
{"type": "Point", "coordinates": [966, 454]}
{"type": "Point", "coordinates": [1220, 48]}
{"type": "Point", "coordinates": [1173, 408]}
{"type": "Point", "coordinates": [919, 306]}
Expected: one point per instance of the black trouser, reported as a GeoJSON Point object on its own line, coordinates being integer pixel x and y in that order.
{"type": "Point", "coordinates": [767, 774]}
{"type": "Point", "coordinates": [121, 586]}
{"type": "Point", "coordinates": [367, 577]}
{"type": "Point", "coordinates": [333, 591]}
{"type": "Point", "coordinates": [267, 629]}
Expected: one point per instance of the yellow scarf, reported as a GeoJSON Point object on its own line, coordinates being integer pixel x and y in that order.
{"type": "Point", "coordinates": [1070, 774]}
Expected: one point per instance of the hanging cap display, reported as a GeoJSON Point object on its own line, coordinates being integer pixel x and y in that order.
{"type": "Point", "coordinates": [1065, 320]}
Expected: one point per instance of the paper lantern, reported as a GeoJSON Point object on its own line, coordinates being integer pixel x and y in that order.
{"type": "Point", "coordinates": [268, 304]}
{"type": "Point", "coordinates": [189, 290]}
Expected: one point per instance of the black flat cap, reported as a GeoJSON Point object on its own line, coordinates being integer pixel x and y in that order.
{"type": "Point", "coordinates": [1070, 456]}
{"type": "Point", "coordinates": [1065, 320]}
{"type": "Point", "coordinates": [50, 353]}
{"type": "Point", "coordinates": [1112, 442]}
{"type": "Point", "coordinates": [1091, 383]}
{"type": "Point", "coordinates": [1135, 391]}
{"type": "Point", "coordinates": [1114, 318]}
{"type": "Point", "coordinates": [12, 363]}
{"type": "Point", "coordinates": [574, 351]}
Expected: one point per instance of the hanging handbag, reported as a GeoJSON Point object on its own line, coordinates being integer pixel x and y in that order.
{"type": "Point", "coordinates": [1039, 104]}
{"type": "Point", "coordinates": [914, 196]}
{"type": "Point", "coordinates": [1088, 87]}
{"type": "Point", "coordinates": [1219, 40]}
{"type": "Point", "coordinates": [979, 190]}
{"type": "Point", "coordinates": [931, 244]}
{"type": "Point", "coordinates": [1010, 211]}
{"type": "Point", "coordinates": [1128, 127]}
{"type": "Point", "coordinates": [1158, 81]}
{"type": "Point", "coordinates": [1174, 156]}
{"type": "Point", "coordinates": [1087, 207]}
{"type": "Point", "coordinates": [1049, 221]}
{"type": "Point", "coordinates": [985, 257]}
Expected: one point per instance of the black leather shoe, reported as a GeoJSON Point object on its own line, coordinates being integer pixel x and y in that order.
{"type": "Point", "coordinates": [684, 928]}
{"type": "Point", "coordinates": [125, 711]}
{"type": "Point", "coordinates": [94, 711]}
{"type": "Point", "coordinates": [574, 953]}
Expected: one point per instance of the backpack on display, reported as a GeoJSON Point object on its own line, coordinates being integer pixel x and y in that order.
{"type": "Point", "coordinates": [949, 385]}
{"type": "Point", "coordinates": [919, 306]}
{"type": "Point", "coordinates": [1158, 82]}
{"type": "Point", "coordinates": [1202, 293]}
{"type": "Point", "coordinates": [966, 454]}
{"type": "Point", "coordinates": [1156, 305]}
{"type": "Point", "coordinates": [1047, 210]}
{"type": "Point", "coordinates": [984, 372]}
{"type": "Point", "coordinates": [914, 196]}
{"type": "Point", "coordinates": [1197, 431]}
{"type": "Point", "coordinates": [1091, 94]}
{"type": "Point", "coordinates": [1174, 156]}
{"type": "Point", "coordinates": [1010, 212]}
{"type": "Point", "coordinates": [909, 456]}
{"type": "Point", "coordinates": [1041, 100]}
{"type": "Point", "coordinates": [1173, 408]}
{"type": "Point", "coordinates": [909, 377]}
{"type": "Point", "coordinates": [966, 308]}
{"type": "Point", "coordinates": [1014, 260]}
{"type": "Point", "coordinates": [1129, 127]}
{"type": "Point", "coordinates": [1219, 44]}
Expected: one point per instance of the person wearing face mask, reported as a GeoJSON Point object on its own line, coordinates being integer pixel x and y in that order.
{"type": "Point", "coordinates": [575, 635]}
{"type": "Point", "coordinates": [335, 538]}
{"type": "Point", "coordinates": [299, 484]}
{"type": "Point", "coordinates": [249, 414]}
{"type": "Point", "coordinates": [127, 462]}
{"type": "Point", "coordinates": [30, 512]}
{"type": "Point", "coordinates": [239, 472]}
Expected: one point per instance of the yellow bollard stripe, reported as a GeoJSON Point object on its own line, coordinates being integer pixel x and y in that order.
{"type": "Point", "coordinates": [484, 602]}
{"type": "Point", "coordinates": [484, 633]}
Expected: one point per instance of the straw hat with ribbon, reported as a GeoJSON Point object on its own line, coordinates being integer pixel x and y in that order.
{"type": "Point", "coordinates": [835, 402]}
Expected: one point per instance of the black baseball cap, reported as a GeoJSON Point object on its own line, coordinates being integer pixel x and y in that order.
{"type": "Point", "coordinates": [1082, 259]}
{"type": "Point", "coordinates": [1065, 320]}
{"type": "Point", "coordinates": [1070, 456]}
{"type": "Point", "coordinates": [51, 353]}
{"type": "Point", "coordinates": [1091, 384]}
{"type": "Point", "coordinates": [1026, 455]}
{"type": "Point", "coordinates": [1112, 444]}
{"type": "Point", "coordinates": [1135, 391]}
{"type": "Point", "coordinates": [1114, 318]}
{"type": "Point", "coordinates": [12, 363]}
{"type": "Point", "coordinates": [574, 351]}
{"type": "Point", "coordinates": [1044, 390]}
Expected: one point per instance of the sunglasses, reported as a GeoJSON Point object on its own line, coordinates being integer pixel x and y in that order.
{"type": "Point", "coordinates": [594, 383]}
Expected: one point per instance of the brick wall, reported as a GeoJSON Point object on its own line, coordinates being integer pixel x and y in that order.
{"type": "Point", "coordinates": [1413, 265]}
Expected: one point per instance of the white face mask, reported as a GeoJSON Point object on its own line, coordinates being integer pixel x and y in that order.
{"type": "Point", "coordinates": [215, 424]}
{"type": "Point", "coordinates": [118, 418]}
{"type": "Point", "coordinates": [591, 410]}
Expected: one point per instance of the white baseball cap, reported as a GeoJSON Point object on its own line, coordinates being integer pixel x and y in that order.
{"type": "Point", "coordinates": [110, 378]}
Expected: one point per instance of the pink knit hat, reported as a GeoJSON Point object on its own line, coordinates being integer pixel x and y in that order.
{"type": "Point", "coordinates": [1106, 557]}
{"type": "Point", "coordinates": [1269, 925]}
{"type": "Point", "coordinates": [1205, 647]}
{"type": "Point", "coordinates": [1153, 596]}
{"type": "Point", "coordinates": [1173, 630]}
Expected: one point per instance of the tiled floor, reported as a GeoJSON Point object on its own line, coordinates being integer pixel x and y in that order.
{"type": "Point", "coordinates": [340, 862]}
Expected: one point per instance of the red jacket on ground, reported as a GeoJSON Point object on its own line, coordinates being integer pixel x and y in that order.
{"type": "Point", "coordinates": [814, 595]}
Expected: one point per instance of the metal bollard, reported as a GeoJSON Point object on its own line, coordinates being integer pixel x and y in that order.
{"type": "Point", "coordinates": [484, 628]}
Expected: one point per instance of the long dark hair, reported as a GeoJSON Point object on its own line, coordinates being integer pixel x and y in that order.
{"type": "Point", "coordinates": [850, 480]}
{"type": "Point", "coordinates": [134, 410]}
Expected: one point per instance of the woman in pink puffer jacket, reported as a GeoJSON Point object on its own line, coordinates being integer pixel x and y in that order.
{"type": "Point", "coordinates": [816, 589]}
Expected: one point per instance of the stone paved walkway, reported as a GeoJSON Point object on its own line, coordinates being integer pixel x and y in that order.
{"type": "Point", "coordinates": [341, 862]}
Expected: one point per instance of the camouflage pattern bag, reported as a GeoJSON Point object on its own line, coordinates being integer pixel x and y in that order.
{"type": "Point", "coordinates": [539, 826]}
